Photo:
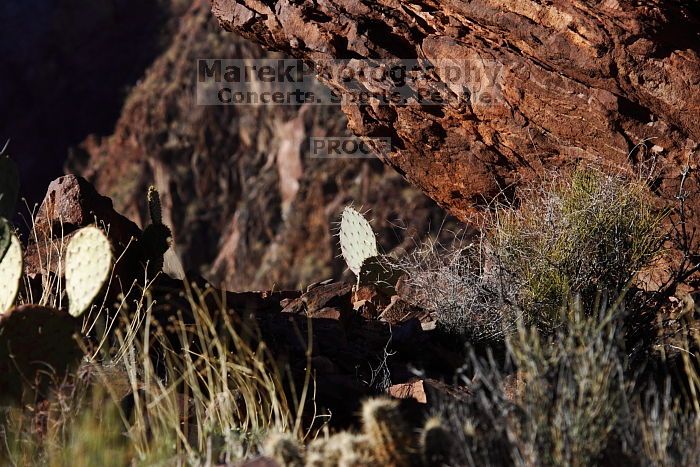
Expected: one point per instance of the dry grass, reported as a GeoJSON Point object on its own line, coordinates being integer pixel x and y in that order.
{"type": "Point", "coordinates": [551, 282]}
{"type": "Point", "coordinates": [196, 393]}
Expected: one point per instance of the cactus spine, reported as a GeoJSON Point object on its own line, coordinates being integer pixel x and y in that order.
{"type": "Point", "coordinates": [357, 240]}
{"type": "Point", "coordinates": [386, 431]}
{"type": "Point", "coordinates": [11, 267]}
{"type": "Point", "coordinates": [88, 265]}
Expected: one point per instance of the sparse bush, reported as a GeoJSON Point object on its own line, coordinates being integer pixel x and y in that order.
{"type": "Point", "coordinates": [587, 234]}
{"type": "Point", "coordinates": [661, 431]}
{"type": "Point", "coordinates": [567, 412]}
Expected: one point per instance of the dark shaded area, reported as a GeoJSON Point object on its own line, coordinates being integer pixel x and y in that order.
{"type": "Point", "coordinates": [67, 67]}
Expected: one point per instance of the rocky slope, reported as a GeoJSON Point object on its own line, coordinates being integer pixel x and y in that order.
{"type": "Point", "coordinates": [359, 344]}
{"type": "Point", "coordinates": [248, 206]}
{"type": "Point", "coordinates": [613, 83]}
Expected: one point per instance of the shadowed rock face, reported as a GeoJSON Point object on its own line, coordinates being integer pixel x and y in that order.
{"type": "Point", "coordinates": [249, 207]}
{"type": "Point", "coordinates": [613, 83]}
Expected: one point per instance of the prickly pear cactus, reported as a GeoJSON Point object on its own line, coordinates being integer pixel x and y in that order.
{"type": "Point", "coordinates": [88, 266]}
{"type": "Point", "coordinates": [11, 266]}
{"type": "Point", "coordinates": [5, 237]}
{"type": "Point", "coordinates": [37, 346]}
{"type": "Point", "coordinates": [9, 186]}
{"type": "Point", "coordinates": [357, 240]}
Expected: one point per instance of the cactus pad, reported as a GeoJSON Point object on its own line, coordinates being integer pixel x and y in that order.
{"type": "Point", "coordinates": [37, 346]}
{"type": "Point", "coordinates": [11, 267]}
{"type": "Point", "coordinates": [357, 240]}
{"type": "Point", "coordinates": [88, 265]}
{"type": "Point", "coordinates": [9, 186]}
{"type": "Point", "coordinates": [5, 237]}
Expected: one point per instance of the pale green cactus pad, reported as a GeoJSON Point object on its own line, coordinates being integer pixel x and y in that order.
{"type": "Point", "coordinates": [88, 265]}
{"type": "Point", "coordinates": [11, 267]}
{"type": "Point", "coordinates": [357, 240]}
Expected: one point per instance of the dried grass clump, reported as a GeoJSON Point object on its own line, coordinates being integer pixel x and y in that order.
{"type": "Point", "coordinates": [457, 284]}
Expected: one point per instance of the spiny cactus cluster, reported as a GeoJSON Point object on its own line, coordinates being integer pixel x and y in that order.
{"type": "Point", "coordinates": [357, 240]}
{"type": "Point", "coordinates": [88, 266]}
{"type": "Point", "coordinates": [284, 449]}
{"type": "Point", "coordinates": [343, 448]}
{"type": "Point", "coordinates": [359, 247]}
{"type": "Point", "coordinates": [387, 432]}
{"type": "Point", "coordinates": [386, 440]}
{"type": "Point", "coordinates": [157, 237]}
{"type": "Point", "coordinates": [437, 444]}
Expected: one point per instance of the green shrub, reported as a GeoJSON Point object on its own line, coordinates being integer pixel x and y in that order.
{"type": "Point", "coordinates": [587, 234]}
{"type": "Point", "coordinates": [584, 235]}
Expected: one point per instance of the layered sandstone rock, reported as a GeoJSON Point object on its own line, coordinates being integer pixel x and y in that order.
{"type": "Point", "coordinates": [614, 83]}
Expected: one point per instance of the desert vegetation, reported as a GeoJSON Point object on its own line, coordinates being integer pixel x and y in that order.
{"type": "Point", "coordinates": [567, 358]}
{"type": "Point", "coordinates": [350, 233]}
